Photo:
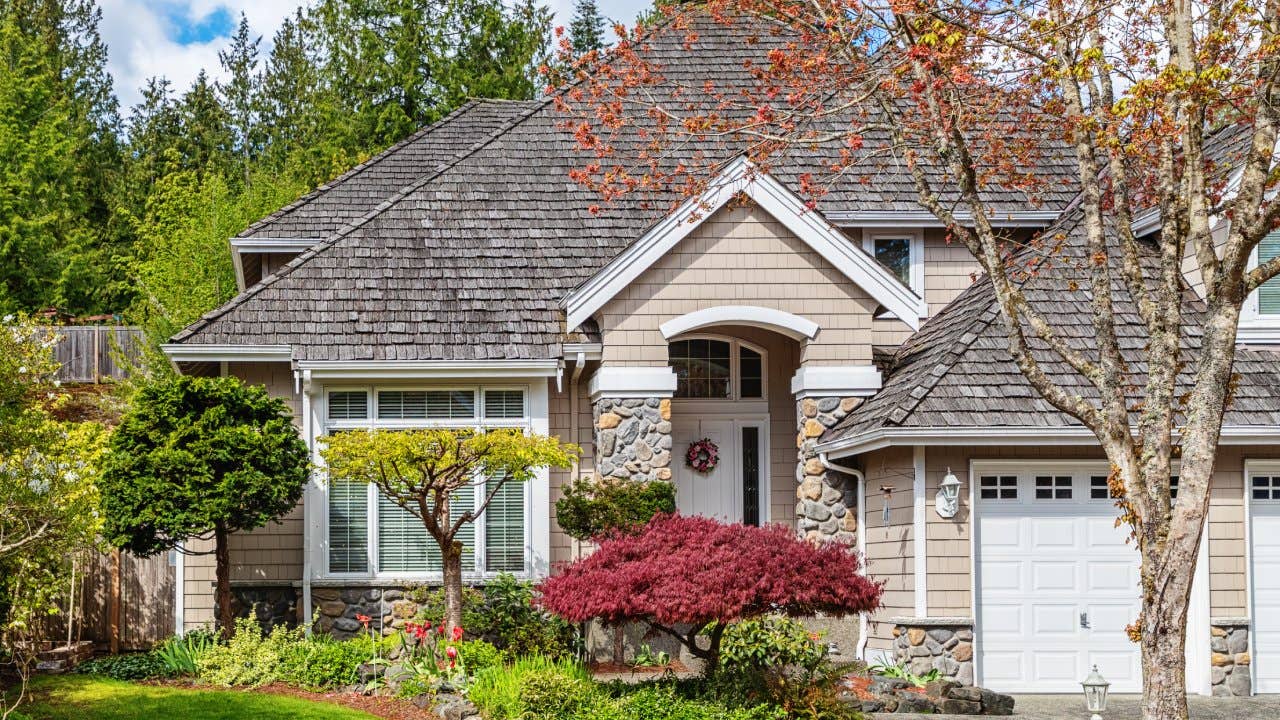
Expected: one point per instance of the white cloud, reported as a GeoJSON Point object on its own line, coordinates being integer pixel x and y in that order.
{"type": "Point", "coordinates": [141, 38]}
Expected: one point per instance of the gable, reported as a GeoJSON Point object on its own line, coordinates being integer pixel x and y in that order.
{"type": "Point", "coordinates": [741, 178]}
{"type": "Point", "coordinates": [740, 257]}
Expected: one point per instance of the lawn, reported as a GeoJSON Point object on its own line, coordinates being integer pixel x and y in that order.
{"type": "Point", "coordinates": [84, 697]}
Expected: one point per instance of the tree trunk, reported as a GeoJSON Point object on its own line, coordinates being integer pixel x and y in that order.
{"type": "Point", "coordinates": [223, 554]}
{"type": "Point", "coordinates": [1166, 595]}
{"type": "Point", "coordinates": [452, 584]}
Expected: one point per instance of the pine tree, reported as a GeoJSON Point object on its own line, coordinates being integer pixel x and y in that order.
{"type": "Point", "coordinates": [207, 144]}
{"type": "Point", "coordinates": [586, 32]}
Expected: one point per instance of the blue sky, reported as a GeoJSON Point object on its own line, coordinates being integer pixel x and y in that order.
{"type": "Point", "coordinates": [176, 38]}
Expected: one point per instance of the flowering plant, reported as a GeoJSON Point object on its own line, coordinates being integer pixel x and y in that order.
{"type": "Point", "coordinates": [702, 456]}
{"type": "Point", "coordinates": [431, 654]}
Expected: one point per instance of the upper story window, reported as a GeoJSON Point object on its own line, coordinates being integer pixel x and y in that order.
{"type": "Point", "coordinates": [714, 369]}
{"type": "Point", "coordinates": [900, 251]}
{"type": "Point", "coordinates": [368, 534]}
{"type": "Point", "coordinates": [1268, 298]}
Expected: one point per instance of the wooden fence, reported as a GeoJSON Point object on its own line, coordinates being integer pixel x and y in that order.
{"type": "Point", "coordinates": [93, 353]}
{"type": "Point", "coordinates": [146, 590]}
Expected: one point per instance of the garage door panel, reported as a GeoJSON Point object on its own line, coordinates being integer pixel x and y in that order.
{"type": "Point", "coordinates": [1054, 576]}
{"type": "Point", "coordinates": [1053, 620]}
{"type": "Point", "coordinates": [1265, 636]}
{"type": "Point", "coordinates": [1002, 576]}
{"type": "Point", "coordinates": [1110, 618]}
{"type": "Point", "coordinates": [1005, 668]}
{"type": "Point", "coordinates": [1055, 667]}
{"type": "Point", "coordinates": [1002, 619]}
{"type": "Point", "coordinates": [1119, 668]}
{"type": "Point", "coordinates": [1101, 531]}
{"type": "Point", "coordinates": [1116, 576]}
{"type": "Point", "coordinates": [1002, 532]}
{"type": "Point", "coordinates": [1054, 534]}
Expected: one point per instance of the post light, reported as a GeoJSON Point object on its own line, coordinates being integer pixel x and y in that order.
{"type": "Point", "coordinates": [947, 503]}
{"type": "Point", "coordinates": [1095, 693]}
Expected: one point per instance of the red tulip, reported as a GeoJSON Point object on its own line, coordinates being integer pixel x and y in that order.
{"type": "Point", "coordinates": [452, 652]}
{"type": "Point", "coordinates": [457, 634]}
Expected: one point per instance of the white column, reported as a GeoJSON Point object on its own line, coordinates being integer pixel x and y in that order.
{"type": "Point", "coordinates": [920, 562]}
{"type": "Point", "coordinates": [540, 486]}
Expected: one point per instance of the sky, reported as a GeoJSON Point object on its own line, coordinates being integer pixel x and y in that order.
{"type": "Point", "coordinates": [176, 38]}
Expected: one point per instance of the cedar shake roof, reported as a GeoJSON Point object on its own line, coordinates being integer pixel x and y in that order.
{"type": "Point", "coordinates": [470, 260]}
{"type": "Point", "coordinates": [957, 370]}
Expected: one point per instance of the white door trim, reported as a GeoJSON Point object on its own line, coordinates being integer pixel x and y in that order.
{"type": "Point", "coordinates": [737, 422]}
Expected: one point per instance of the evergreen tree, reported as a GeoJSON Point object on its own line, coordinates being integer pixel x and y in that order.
{"type": "Point", "coordinates": [240, 94]}
{"type": "Point", "coordinates": [206, 144]}
{"type": "Point", "coordinates": [586, 32]}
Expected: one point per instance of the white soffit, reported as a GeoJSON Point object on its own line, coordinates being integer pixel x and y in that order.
{"type": "Point", "coordinates": [742, 176]}
{"type": "Point", "coordinates": [793, 326]}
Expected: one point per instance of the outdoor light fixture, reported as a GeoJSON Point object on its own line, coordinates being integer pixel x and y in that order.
{"type": "Point", "coordinates": [886, 491]}
{"type": "Point", "coordinates": [1095, 693]}
{"type": "Point", "coordinates": [947, 502]}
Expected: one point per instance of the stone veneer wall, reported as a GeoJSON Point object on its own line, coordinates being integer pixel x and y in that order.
{"type": "Point", "coordinates": [633, 438]}
{"type": "Point", "coordinates": [825, 500]}
{"type": "Point", "coordinates": [944, 644]}
{"type": "Point", "coordinates": [271, 606]}
{"type": "Point", "coordinates": [1230, 661]}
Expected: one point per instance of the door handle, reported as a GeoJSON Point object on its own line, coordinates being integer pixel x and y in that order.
{"type": "Point", "coordinates": [1084, 620]}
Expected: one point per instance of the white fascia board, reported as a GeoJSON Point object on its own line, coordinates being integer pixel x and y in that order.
{"type": "Point", "coordinates": [836, 381]}
{"type": "Point", "coordinates": [428, 369]}
{"type": "Point", "coordinates": [793, 326]}
{"type": "Point", "coordinates": [741, 176]}
{"type": "Point", "coordinates": [632, 382]}
{"type": "Point", "coordinates": [179, 353]}
{"type": "Point", "coordinates": [1146, 222]}
{"type": "Point", "coordinates": [997, 436]}
{"type": "Point", "coordinates": [924, 218]}
{"type": "Point", "coordinates": [248, 245]}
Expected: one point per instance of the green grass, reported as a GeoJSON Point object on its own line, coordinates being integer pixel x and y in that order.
{"type": "Point", "coordinates": [85, 697]}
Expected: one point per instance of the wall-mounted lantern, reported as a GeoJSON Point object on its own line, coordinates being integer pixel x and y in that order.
{"type": "Point", "coordinates": [947, 502]}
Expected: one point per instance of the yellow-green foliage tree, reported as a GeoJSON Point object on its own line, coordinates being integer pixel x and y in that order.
{"type": "Point", "coordinates": [420, 470]}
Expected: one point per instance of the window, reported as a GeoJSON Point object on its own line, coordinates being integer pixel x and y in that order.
{"type": "Point", "coordinates": [750, 475]}
{"type": "Point", "coordinates": [1266, 487]}
{"type": "Point", "coordinates": [1053, 487]}
{"type": "Point", "coordinates": [1269, 293]}
{"type": "Point", "coordinates": [900, 251]}
{"type": "Point", "coordinates": [711, 369]}
{"type": "Point", "coordinates": [1099, 488]}
{"type": "Point", "coordinates": [998, 487]}
{"type": "Point", "coordinates": [370, 534]}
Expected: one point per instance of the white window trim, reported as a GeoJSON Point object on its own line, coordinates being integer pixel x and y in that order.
{"type": "Point", "coordinates": [915, 251]}
{"type": "Point", "coordinates": [537, 506]}
{"type": "Point", "coordinates": [1254, 326]}
{"type": "Point", "coordinates": [735, 370]}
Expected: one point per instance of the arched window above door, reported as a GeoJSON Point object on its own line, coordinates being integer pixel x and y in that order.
{"type": "Point", "coordinates": [709, 368]}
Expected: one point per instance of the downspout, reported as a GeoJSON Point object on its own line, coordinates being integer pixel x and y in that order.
{"type": "Point", "coordinates": [579, 363]}
{"type": "Point", "coordinates": [860, 652]}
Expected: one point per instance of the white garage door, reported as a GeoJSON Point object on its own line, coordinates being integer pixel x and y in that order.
{"type": "Point", "coordinates": [1264, 501]}
{"type": "Point", "coordinates": [1057, 584]}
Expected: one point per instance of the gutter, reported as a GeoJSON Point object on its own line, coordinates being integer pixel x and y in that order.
{"type": "Point", "coordinates": [860, 651]}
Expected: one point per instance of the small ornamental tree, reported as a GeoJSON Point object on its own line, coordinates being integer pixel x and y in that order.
{"type": "Point", "coordinates": [703, 573]}
{"type": "Point", "coordinates": [198, 458]}
{"type": "Point", "coordinates": [420, 470]}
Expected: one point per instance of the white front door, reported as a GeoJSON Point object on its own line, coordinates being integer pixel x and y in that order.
{"type": "Point", "coordinates": [1057, 583]}
{"type": "Point", "coordinates": [718, 493]}
{"type": "Point", "coordinates": [1264, 503]}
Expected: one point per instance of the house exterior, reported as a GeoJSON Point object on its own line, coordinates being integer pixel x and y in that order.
{"type": "Point", "coordinates": [844, 360]}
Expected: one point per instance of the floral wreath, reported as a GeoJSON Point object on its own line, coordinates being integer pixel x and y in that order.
{"type": "Point", "coordinates": [702, 456]}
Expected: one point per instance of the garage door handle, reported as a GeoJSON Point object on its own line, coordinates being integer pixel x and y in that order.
{"type": "Point", "coordinates": [1084, 620]}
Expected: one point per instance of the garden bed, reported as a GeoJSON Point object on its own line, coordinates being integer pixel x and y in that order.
{"type": "Point", "coordinates": [878, 693]}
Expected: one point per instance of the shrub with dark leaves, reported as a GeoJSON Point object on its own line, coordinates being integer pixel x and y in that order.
{"type": "Point", "coordinates": [703, 573]}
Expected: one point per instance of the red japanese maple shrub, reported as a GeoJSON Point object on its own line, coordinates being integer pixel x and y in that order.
{"type": "Point", "coordinates": [701, 573]}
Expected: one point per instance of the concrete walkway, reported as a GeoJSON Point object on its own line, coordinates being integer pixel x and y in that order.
{"type": "Point", "coordinates": [1129, 707]}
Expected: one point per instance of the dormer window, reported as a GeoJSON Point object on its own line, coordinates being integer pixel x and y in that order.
{"type": "Point", "coordinates": [901, 251]}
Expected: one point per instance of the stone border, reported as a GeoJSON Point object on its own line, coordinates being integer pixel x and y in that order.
{"type": "Point", "coordinates": [1230, 660]}
{"type": "Point", "coordinates": [944, 644]}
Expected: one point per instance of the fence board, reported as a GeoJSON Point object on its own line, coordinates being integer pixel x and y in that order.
{"type": "Point", "coordinates": [146, 600]}
{"type": "Point", "coordinates": [93, 353]}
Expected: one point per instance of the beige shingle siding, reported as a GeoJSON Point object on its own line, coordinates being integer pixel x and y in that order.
{"type": "Point", "coordinates": [739, 256]}
{"type": "Point", "coordinates": [564, 548]}
{"type": "Point", "coordinates": [890, 556]}
{"type": "Point", "coordinates": [948, 270]}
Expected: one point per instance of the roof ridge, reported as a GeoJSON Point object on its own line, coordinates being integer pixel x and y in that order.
{"type": "Point", "coordinates": [350, 227]}
{"type": "Point", "coordinates": [413, 137]}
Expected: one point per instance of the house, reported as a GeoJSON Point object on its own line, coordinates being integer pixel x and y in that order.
{"type": "Point", "coordinates": [843, 360]}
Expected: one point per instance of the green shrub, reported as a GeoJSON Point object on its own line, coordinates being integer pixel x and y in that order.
{"type": "Point", "coordinates": [660, 702]}
{"type": "Point", "coordinates": [179, 653]}
{"type": "Point", "coordinates": [249, 658]}
{"type": "Point", "coordinates": [509, 620]}
{"type": "Point", "coordinates": [499, 690]}
{"type": "Point", "coordinates": [591, 508]}
{"type": "Point", "coordinates": [770, 641]}
{"type": "Point", "coordinates": [551, 694]}
{"type": "Point", "coordinates": [322, 663]}
{"type": "Point", "coordinates": [431, 607]}
{"type": "Point", "coordinates": [478, 655]}
{"type": "Point", "coordinates": [131, 666]}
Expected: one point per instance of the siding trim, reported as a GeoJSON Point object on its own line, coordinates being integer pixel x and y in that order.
{"type": "Point", "coordinates": [918, 536]}
{"type": "Point", "coordinates": [791, 325]}
{"type": "Point", "coordinates": [741, 176]}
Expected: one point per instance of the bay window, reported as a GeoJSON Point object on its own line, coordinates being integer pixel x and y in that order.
{"type": "Point", "coordinates": [368, 534]}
